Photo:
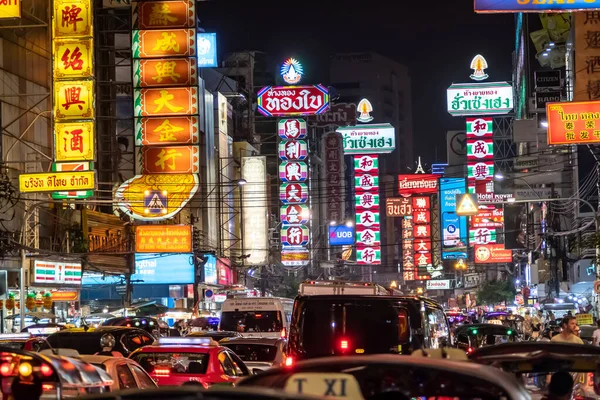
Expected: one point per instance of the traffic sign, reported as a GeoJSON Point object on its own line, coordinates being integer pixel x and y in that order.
{"type": "Point", "coordinates": [208, 293]}
{"type": "Point", "coordinates": [155, 202]}
{"type": "Point", "coordinates": [466, 204]}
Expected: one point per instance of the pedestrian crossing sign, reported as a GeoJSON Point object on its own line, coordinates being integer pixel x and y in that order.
{"type": "Point", "coordinates": [466, 204]}
{"type": "Point", "coordinates": [155, 202]}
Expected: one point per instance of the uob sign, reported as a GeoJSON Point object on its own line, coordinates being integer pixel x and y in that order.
{"type": "Point", "coordinates": [341, 235]}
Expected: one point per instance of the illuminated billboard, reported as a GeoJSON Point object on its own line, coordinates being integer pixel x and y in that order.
{"type": "Point", "coordinates": [254, 210]}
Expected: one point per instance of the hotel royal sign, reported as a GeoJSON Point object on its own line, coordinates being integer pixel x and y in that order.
{"type": "Point", "coordinates": [73, 103]}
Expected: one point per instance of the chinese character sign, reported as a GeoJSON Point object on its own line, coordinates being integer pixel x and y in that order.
{"type": "Point", "coordinates": [163, 43]}
{"type": "Point", "coordinates": [164, 14]}
{"type": "Point", "coordinates": [422, 236]}
{"type": "Point", "coordinates": [170, 130]}
{"type": "Point", "coordinates": [170, 160]}
{"type": "Point", "coordinates": [72, 18]}
{"type": "Point", "coordinates": [587, 57]}
{"type": "Point", "coordinates": [165, 72]}
{"type": "Point", "coordinates": [574, 122]}
{"type": "Point", "coordinates": [74, 141]}
{"type": "Point", "coordinates": [292, 128]}
{"type": "Point", "coordinates": [10, 9]}
{"type": "Point", "coordinates": [409, 270]}
{"type": "Point", "coordinates": [366, 177]}
{"type": "Point", "coordinates": [480, 154]}
{"type": "Point", "coordinates": [333, 164]}
{"type": "Point", "coordinates": [73, 58]}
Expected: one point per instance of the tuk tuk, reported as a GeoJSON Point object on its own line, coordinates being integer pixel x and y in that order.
{"type": "Point", "coordinates": [474, 336]}
{"type": "Point", "coordinates": [32, 376]}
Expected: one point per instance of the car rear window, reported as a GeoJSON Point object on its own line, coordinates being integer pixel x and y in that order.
{"type": "Point", "coordinates": [353, 326]}
{"type": "Point", "coordinates": [254, 352]}
{"type": "Point", "coordinates": [83, 343]}
{"type": "Point", "coordinates": [251, 321]}
{"type": "Point", "coordinates": [176, 363]}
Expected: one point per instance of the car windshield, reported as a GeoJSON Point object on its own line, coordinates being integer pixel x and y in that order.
{"type": "Point", "coordinates": [254, 352]}
{"type": "Point", "coordinates": [13, 345]}
{"type": "Point", "coordinates": [538, 382]}
{"type": "Point", "coordinates": [251, 321]}
{"type": "Point", "coordinates": [330, 326]}
{"type": "Point", "coordinates": [176, 363]}
{"type": "Point", "coordinates": [85, 343]}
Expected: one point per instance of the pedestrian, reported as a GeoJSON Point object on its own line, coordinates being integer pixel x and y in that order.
{"type": "Point", "coordinates": [569, 331]}
{"type": "Point", "coordinates": [541, 319]}
{"type": "Point", "coordinates": [596, 334]}
{"type": "Point", "coordinates": [527, 325]}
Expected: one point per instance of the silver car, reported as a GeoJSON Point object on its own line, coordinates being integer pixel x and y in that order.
{"type": "Point", "coordinates": [258, 354]}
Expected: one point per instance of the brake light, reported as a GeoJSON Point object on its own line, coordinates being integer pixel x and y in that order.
{"type": "Point", "coordinates": [470, 350]}
{"type": "Point", "coordinates": [45, 370]}
{"type": "Point", "coordinates": [5, 369]}
{"type": "Point", "coordinates": [46, 387]}
{"type": "Point", "coordinates": [283, 333]}
{"type": "Point", "coordinates": [289, 361]}
{"type": "Point", "coordinates": [344, 344]}
{"type": "Point", "coordinates": [590, 381]}
{"type": "Point", "coordinates": [162, 371]}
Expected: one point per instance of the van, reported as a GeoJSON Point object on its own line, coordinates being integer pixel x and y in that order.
{"type": "Point", "coordinates": [257, 316]}
{"type": "Point", "coordinates": [328, 325]}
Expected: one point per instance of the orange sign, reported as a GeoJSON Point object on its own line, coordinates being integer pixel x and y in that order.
{"type": "Point", "coordinates": [163, 238]}
{"type": "Point", "coordinates": [165, 72]}
{"type": "Point", "coordinates": [65, 295]}
{"type": "Point", "coordinates": [163, 43]}
{"type": "Point", "coordinates": [171, 130]}
{"type": "Point", "coordinates": [164, 14]}
{"type": "Point", "coordinates": [171, 160]}
{"type": "Point", "coordinates": [73, 100]}
{"type": "Point", "coordinates": [492, 253]}
{"type": "Point", "coordinates": [573, 122]}
{"type": "Point", "coordinates": [167, 101]}
{"type": "Point", "coordinates": [74, 141]}
{"type": "Point", "coordinates": [72, 18]}
{"type": "Point", "coordinates": [73, 58]}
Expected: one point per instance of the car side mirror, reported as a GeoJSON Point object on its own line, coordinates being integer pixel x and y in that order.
{"type": "Point", "coordinates": [256, 371]}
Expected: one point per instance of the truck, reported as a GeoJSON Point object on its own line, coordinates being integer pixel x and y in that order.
{"type": "Point", "coordinates": [311, 288]}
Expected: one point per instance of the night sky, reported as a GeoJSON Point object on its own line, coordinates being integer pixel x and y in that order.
{"type": "Point", "coordinates": [436, 39]}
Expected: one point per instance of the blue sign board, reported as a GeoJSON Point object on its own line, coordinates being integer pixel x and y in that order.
{"type": "Point", "coordinates": [341, 235]}
{"type": "Point", "coordinates": [97, 278]}
{"type": "Point", "coordinates": [535, 5]}
{"type": "Point", "coordinates": [163, 268]}
{"type": "Point", "coordinates": [210, 269]}
{"type": "Point", "coordinates": [454, 228]}
{"type": "Point", "coordinates": [438, 169]}
{"type": "Point", "coordinates": [207, 50]}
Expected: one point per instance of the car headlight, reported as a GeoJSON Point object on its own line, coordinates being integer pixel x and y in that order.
{"type": "Point", "coordinates": [107, 340]}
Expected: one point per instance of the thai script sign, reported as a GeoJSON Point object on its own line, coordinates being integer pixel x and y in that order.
{"type": "Point", "coordinates": [292, 100]}
{"type": "Point", "coordinates": [57, 181]}
{"type": "Point", "coordinates": [368, 139]}
{"type": "Point", "coordinates": [479, 98]}
{"type": "Point", "coordinates": [163, 238]}
{"type": "Point", "coordinates": [500, 6]}
{"type": "Point", "coordinates": [438, 284]}
{"type": "Point", "coordinates": [492, 253]}
{"type": "Point", "coordinates": [417, 184]}
{"type": "Point", "coordinates": [573, 122]}
{"type": "Point", "coordinates": [398, 206]}
{"type": "Point", "coordinates": [72, 166]}
{"type": "Point", "coordinates": [340, 114]}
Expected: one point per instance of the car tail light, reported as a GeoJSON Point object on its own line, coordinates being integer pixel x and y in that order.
{"type": "Point", "coordinates": [590, 379]}
{"type": "Point", "coordinates": [45, 370]}
{"type": "Point", "coordinates": [5, 369]}
{"type": "Point", "coordinates": [162, 371]}
{"type": "Point", "coordinates": [470, 350]}
{"type": "Point", "coordinates": [289, 361]}
{"type": "Point", "coordinates": [47, 387]}
{"type": "Point", "coordinates": [344, 345]}
{"type": "Point", "coordinates": [283, 333]}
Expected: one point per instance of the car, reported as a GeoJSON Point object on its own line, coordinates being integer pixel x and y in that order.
{"type": "Point", "coordinates": [472, 336]}
{"type": "Point", "coordinates": [387, 376]}
{"type": "Point", "coordinates": [178, 360]}
{"type": "Point", "coordinates": [20, 341]}
{"type": "Point", "coordinates": [258, 353]}
{"type": "Point", "coordinates": [126, 373]}
{"type": "Point", "coordinates": [154, 326]}
{"type": "Point", "coordinates": [104, 339]}
{"type": "Point", "coordinates": [43, 329]}
{"type": "Point", "coordinates": [533, 362]}
{"type": "Point", "coordinates": [215, 335]}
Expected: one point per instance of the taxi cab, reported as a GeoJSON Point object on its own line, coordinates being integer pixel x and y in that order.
{"type": "Point", "coordinates": [19, 341]}
{"type": "Point", "coordinates": [178, 360]}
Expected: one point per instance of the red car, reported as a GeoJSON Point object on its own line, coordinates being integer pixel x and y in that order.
{"type": "Point", "coordinates": [179, 360]}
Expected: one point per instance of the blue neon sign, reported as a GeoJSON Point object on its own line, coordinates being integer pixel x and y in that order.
{"type": "Point", "coordinates": [341, 235]}
{"type": "Point", "coordinates": [163, 268]}
{"type": "Point", "coordinates": [207, 50]}
{"type": "Point", "coordinates": [454, 228]}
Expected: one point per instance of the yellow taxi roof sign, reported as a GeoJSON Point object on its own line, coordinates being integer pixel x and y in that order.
{"type": "Point", "coordinates": [324, 384]}
{"type": "Point", "coordinates": [466, 204]}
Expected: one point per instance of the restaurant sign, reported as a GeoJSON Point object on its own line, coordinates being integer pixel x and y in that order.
{"type": "Point", "coordinates": [285, 101]}
{"type": "Point", "coordinates": [368, 139]}
{"type": "Point", "coordinates": [489, 98]}
{"type": "Point", "coordinates": [163, 238]}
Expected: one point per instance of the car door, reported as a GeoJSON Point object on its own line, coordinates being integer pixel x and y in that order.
{"type": "Point", "coordinates": [144, 381]}
{"type": "Point", "coordinates": [125, 377]}
{"type": "Point", "coordinates": [229, 370]}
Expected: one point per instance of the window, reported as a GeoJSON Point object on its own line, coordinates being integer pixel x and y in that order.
{"type": "Point", "coordinates": [227, 364]}
{"type": "Point", "coordinates": [251, 321]}
{"type": "Point", "coordinates": [177, 363]}
{"type": "Point", "coordinates": [143, 378]}
{"type": "Point", "coordinates": [254, 352]}
{"type": "Point", "coordinates": [126, 380]}
{"type": "Point", "coordinates": [240, 368]}
{"type": "Point", "coordinates": [436, 328]}
{"type": "Point", "coordinates": [133, 341]}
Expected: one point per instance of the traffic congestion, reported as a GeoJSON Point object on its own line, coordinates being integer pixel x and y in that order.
{"type": "Point", "coordinates": [341, 339]}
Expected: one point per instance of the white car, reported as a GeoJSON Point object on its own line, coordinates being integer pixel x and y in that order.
{"type": "Point", "coordinates": [126, 373]}
{"type": "Point", "coordinates": [258, 354]}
